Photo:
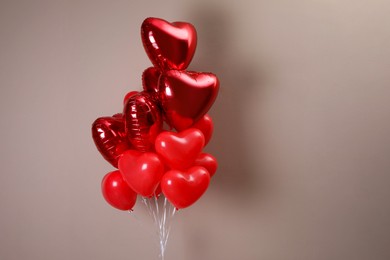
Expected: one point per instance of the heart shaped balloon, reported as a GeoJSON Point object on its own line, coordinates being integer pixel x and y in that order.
{"type": "Point", "coordinates": [205, 124]}
{"type": "Point", "coordinates": [180, 150]}
{"type": "Point", "coordinates": [182, 189]}
{"type": "Point", "coordinates": [143, 121]}
{"type": "Point", "coordinates": [116, 191]}
{"type": "Point", "coordinates": [168, 45]}
{"type": "Point", "coordinates": [186, 96]}
{"type": "Point", "coordinates": [208, 162]}
{"type": "Point", "coordinates": [128, 96]}
{"type": "Point", "coordinates": [150, 78]}
{"type": "Point", "coordinates": [141, 171]}
{"type": "Point", "coordinates": [110, 139]}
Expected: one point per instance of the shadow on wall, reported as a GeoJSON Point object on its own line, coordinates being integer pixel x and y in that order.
{"type": "Point", "coordinates": [239, 77]}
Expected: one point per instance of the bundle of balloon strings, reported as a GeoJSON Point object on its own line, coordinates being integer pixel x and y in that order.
{"type": "Point", "coordinates": [157, 142]}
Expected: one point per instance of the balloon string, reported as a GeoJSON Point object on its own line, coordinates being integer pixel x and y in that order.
{"type": "Point", "coordinates": [164, 219]}
{"type": "Point", "coordinates": [140, 222]}
{"type": "Point", "coordinates": [170, 217]}
{"type": "Point", "coordinates": [150, 209]}
{"type": "Point", "coordinates": [160, 228]}
{"type": "Point", "coordinates": [162, 216]}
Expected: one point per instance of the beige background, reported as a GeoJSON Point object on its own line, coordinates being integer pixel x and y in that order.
{"type": "Point", "coordinates": [302, 129]}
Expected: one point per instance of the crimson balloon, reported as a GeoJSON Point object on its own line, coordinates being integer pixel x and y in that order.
{"type": "Point", "coordinates": [207, 161]}
{"type": "Point", "coordinates": [168, 45]}
{"type": "Point", "coordinates": [110, 139]}
{"type": "Point", "coordinates": [183, 188]}
{"type": "Point", "coordinates": [141, 171]}
{"type": "Point", "coordinates": [128, 96]}
{"type": "Point", "coordinates": [180, 150]}
{"type": "Point", "coordinates": [150, 78]}
{"type": "Point", "coordinates": [206, 125]}
{"type": "Point", "coordinates": [143, 121]}
{"type": "Point", "coordinates": [117, 193]}
{"type": "Point", "coordinates": [186, 96]}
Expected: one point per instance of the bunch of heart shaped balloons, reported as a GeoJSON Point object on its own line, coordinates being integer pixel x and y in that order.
{"type": "Point", "coordinates": [157, 142]}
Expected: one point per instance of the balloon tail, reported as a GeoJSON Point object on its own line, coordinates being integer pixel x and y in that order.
{"type": "Point", "coordinates": [162, 214]}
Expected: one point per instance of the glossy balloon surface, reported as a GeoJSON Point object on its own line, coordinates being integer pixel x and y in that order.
{"type": "Point", "coordinates": [180, 150]}
{"type": "Point", "coordinates": [117, 193]}
{"type": "Point", "coordinates": [206, 125]}
{"type": "Point", "coordinates": [143, 121]}
{"type": "Point", "coordinates": [141, 171]}
{"type": "Point", "coordinates": [183, 188]}
{"type": "Point", "coordinates": [168, 45]}
{"type": "Point", "coordinates": [187, 96]}
{"type": "Point", "coordinates": [110, 139]}
{"type": "Point", "coordinates": [128, 96]}
{"type": "Point", "coordinates": [150, 78]}
{"type": "Point", "coordinates": [207, 161]}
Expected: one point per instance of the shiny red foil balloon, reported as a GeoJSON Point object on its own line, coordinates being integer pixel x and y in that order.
{"type": "Point", "coordinates": [141, 171]}
{"type": "Point", "coordinates": [180, 150]}
{"type": "Point", "coordinates": [143, 121]}
{"type": "Point", "coordinates": [110, 139]}
{"type": "Point", "coordinates": [116, 191]}
{"type": "Point", "coordinates": [183, 188]}
{"type": "Point", "coordinates": [186, 96]}
{"type": "Point", "coordinates": [150, 78]}
{"type": "Point", "coordinates": [207, 161]}
{"type": "Point", "coordinates": [205, 124]}
{"type": "Point", "coordinates": [128, 96]}
{"type": "Point", "coordinates": [118, 115]}
{"type": "Point", "coordinates": [168, 45]}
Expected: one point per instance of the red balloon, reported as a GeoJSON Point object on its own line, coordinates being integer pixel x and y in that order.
{"type": "Point", "coordinates": [117, 193]}
{"type": "Point", "coordinates": [168, 45]}
{"type": "Point", "coordinates": [182, 189]}
{"type": "Point", "coordinates": [110, 139]}
{"type": "Point", "coordinates": [208, 162]}
{"type": "Point", "coordinates": [141, 171]}
{"type": "Point", "coordinates": [118, 115]}
{"type": "Point", "coordinates": [205, 124]}
{"type": "Point", "coordinates": [143, 121]}
{"type": "Point", "coordinates": [187, 96]}
{"type": "Point", "coordinates": [150, 78]}
{"type": "Point", "coordinates": [180, 150]}
{"type": "Point", "coordinates": [128, 96]}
